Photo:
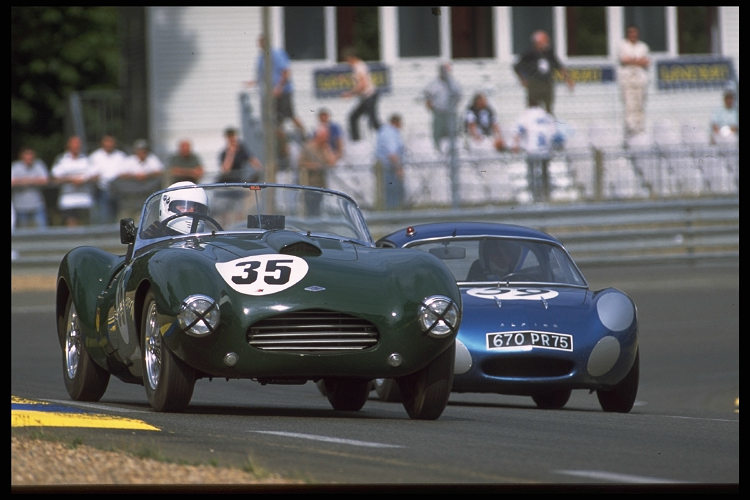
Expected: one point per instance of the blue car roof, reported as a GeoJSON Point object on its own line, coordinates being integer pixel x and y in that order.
{"type": "Point", "coordinates": [442, 229]}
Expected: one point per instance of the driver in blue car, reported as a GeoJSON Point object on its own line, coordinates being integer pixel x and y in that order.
{"type": "Point", "coordinates": [175, 209]}
{"type": "Point", "coordinates": [497, 259]}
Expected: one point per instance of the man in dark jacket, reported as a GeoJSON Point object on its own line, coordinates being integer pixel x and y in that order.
{"type": "Point", "coordinates": [536, 70]}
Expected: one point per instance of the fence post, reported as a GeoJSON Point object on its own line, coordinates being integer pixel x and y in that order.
{"type": "Point", "coordinates": [598, 174]}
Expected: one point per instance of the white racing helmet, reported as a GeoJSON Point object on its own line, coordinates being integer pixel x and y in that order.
{"type": "Point", "coordinates": [187, 200]}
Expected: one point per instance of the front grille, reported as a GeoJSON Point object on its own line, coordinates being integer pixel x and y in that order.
{"type": "Point", "coordinates": [312, 331]}
{"type": "Point", "coordinates": [527, 367]}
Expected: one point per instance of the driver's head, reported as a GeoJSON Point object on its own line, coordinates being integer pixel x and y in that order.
{"type": "Point", "coordinates": [499, 256]}
{"type": "Point", "coordinates": [187, 200]}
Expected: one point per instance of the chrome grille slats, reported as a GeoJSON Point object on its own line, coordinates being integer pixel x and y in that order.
{"type": "Point", "coordinates": [312, 331]}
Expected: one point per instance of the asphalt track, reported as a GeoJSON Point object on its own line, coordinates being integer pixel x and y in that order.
{"type": "Point", "coordinates": [683, 430]}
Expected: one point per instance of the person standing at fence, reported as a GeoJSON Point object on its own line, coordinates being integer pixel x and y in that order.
{"type": "Point", "coordinates": [108, 161]}
{"type": "Point", "coordinates": [335, 133]}
{"type": "Point", "coordinates": [536, 71]}
{"type": "Point", "coordinates": [363, 88]}
{"type": "Point", "coordinates": [725, 120]}
{"type": "Point", "coordinates": [389, 163]}
{"type": "Point", "coordinates": [236, 162]}
{"type": "Point", "coordinates": [184, 165]}
{"type": "Point", "coordinates": [441, 97]}
{"type": "Point", "coordinates": [77, 179]}
{"type": "Point", "coordinates": [536, 134]}
{"type": "Point", "coordinates": [141, 174]}
{"type": "Point", "coordinates": [481, 124]}
{"type": "Point", "coordinates": [314, 161]}
{"type": "Point", "coordinates": [28, 176]}
{"type": "Point", "coordinates": [634, 63]}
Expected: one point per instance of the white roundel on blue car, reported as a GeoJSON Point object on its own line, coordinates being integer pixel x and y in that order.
{"type": "Point", "coordinates": [615, 311]}
{"type": "Point", "coordinates": [503, 293]}
{"type": "Point", "coordinates": [263, 274]}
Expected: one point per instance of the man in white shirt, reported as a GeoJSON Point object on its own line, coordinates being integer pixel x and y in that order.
{"type": "Point", "coordinates": [365, 89]}
{"type": "Point", "coordinates": [108, 161]}
{"type": "Point", "coordinates": [73, 171]}
{"type": "Point", "coordinates": [536, 133]}
{"type": "Point", "coordinates": [140, 175]}
{"type": "Point", "coordinates": [634, 63]}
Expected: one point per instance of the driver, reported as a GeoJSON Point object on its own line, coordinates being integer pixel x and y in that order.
{"type": "Point", "coordinates": [182, 201]}
{"type": "Point", "coordinates": [190, 200]}
{"type": "Point", "coordinates": [497, 258]}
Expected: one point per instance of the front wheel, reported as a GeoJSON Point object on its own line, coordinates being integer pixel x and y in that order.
{"type": "Point", "coordinates": [622, 396]}
{"type": "Point", "coordinates": [425, 393]}
{"type": "Point", "coordinates": [347, 394]}
{"type": "Point", "coordinates": [84, 379]}
{"type": "Point", "coordinates": [168, 381]}
{"type": "Point", "coordinates": [552, 399]}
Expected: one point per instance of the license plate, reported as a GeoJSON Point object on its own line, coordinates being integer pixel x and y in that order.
{"type": "Point", "coordinates": [526, 340]}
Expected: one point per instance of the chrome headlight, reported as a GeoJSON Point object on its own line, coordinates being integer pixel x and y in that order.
{"type": "Point", "coordinates": [199, 315]}
{"type": "Point", "coordinates": [438, 316]}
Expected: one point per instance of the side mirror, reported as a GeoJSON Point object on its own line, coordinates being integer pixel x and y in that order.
{"type": "Point", "coordinates": [127, 231]}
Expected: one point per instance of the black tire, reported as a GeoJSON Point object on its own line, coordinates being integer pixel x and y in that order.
{"type": "Point", "coordinates": [425, 393]}
{"type": "Point", "coordinates": [84, 379]}
{"type": "Point", "coordinates": [551, 399]}
{"type": "Point", "coordinates": [347, 394]}
{"type": "Point", "coordinates": [622, 396]}
{"type": "Point", "coordinates": [387, 390]}
{"type": "Point", "coordinates": [168, 381]}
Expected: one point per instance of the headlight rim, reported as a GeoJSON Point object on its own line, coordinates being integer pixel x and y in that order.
{"type": "Point", "coordinates": [204, 321]}
{"type": "Point", "coordinates": [439, 327]}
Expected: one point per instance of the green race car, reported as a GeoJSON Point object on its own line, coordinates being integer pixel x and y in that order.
{"type": "Point", "coordinates": [270, 282]}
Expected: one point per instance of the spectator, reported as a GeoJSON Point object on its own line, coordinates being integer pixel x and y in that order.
{"type": "Point", "coordinates": [107, 161]}
{"type": "Point", "coordinates": [365, 90]}
{"type": "Point", "coordinates": [184, 165]}
{"type": "Point", "coordinates": [389, 166]}
{"type": "Point", "coordinates": [141, 174]}
{"type": "Point", "coordinates": [634, 63]}
{"type": "Point", "coordinates": [482, 125]}
{"type": "Point", "coordinates": [314, 161]}
{"type": "Point", "coordinates": [237, 163]}
{"type": "Point", "coordinates": [77, 178]}
{"type": "Point", "coordinates": [335, 133]}
{"type": "Point", "coordinates": [725, 120]}
{"type": "Point", "coordinates": [536, 134]}
{"type": "Point", "coordinates": [536, 68]}
{"type": "Point", "coordinates": [441, 98]}
{"type": "Point", "coordinates": [28, 175]}
{"type": "Point", "coordinates": [282, 92]}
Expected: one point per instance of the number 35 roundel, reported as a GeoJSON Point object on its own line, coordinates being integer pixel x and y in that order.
{"type": "Point", "coordinates": [263, 274]}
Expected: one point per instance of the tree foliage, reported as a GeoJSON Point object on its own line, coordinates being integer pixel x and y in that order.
{"type": "Point", "coordinates": [55, 51]}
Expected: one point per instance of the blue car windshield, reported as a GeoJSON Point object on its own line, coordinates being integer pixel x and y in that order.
{"type": "Point", "coordinates": [251, 208]}
{"type": "Point", "coordinates": [488, 259]}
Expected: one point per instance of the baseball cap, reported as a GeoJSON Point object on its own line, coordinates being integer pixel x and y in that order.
{"type": "Point", "coordinates": [140, 144]}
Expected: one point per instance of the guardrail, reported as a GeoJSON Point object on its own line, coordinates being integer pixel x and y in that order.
{"type": "Point", "coordinates": [594, 233]}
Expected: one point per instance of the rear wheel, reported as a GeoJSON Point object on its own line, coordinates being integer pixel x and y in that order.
{"type": "Point", "coordinates": [168, 381]}
{"type": "Point", "coordinates": [347, 394]}
{"type": "Point", "coordinates": [552, 399]}
{"type": "Point", "coordinates": [84, 379]}
{"type": "Point", "coordinates": [622, 396]}
{"type": "Point", "coordinates": [425, 393]}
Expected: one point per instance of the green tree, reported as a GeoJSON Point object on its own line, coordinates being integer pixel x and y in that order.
{"type": "Point", "coordinates": [55, 51]}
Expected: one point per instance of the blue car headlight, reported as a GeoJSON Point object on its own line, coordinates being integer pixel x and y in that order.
{"type": "Point", "coordinates": [199, 315]}
{"type": "Point", "coordinates": [438, 316]}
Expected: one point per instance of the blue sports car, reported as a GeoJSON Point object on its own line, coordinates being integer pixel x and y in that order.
{"type": "Point", "coordinates": [531, 325]}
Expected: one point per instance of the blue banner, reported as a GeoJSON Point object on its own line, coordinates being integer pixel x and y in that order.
{"type": "Point", "coordinates": [692, 73]}
{"type": "Point", "coordinates": [332, 82]}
